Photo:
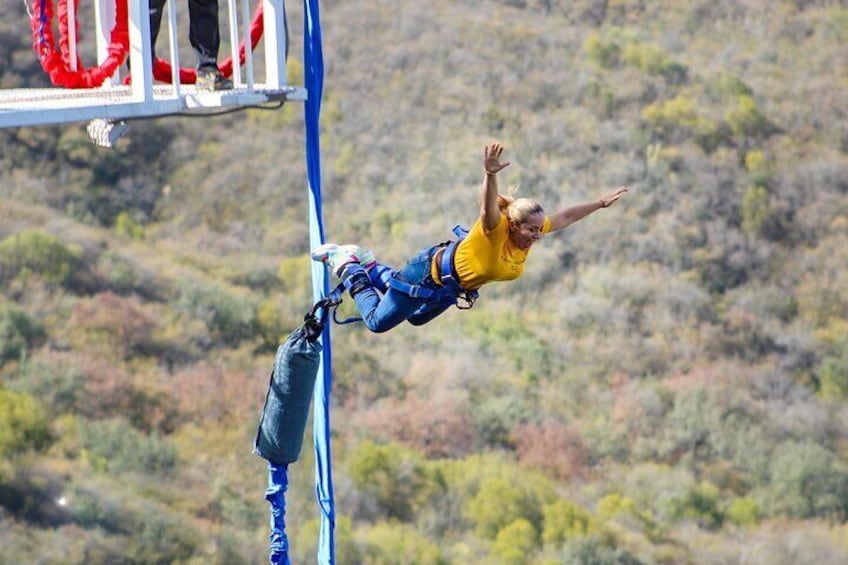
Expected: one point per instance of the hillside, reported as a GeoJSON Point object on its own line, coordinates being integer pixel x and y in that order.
{"type": "Point", "coordinates": [667, 383]}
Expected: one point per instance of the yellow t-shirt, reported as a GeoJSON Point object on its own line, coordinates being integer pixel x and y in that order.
{"type": "Point", "coordinates": [486, 257]}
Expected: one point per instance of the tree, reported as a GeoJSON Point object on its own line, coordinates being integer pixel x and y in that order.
{"type": "Point", "coordinates": [807, 481]}
{"type": "Point", "coordinates": [515, 543]}
{"type": "Point", "coordinates": [33, 252]}
{"type": "Point", "coordinates": [565, 520]}
{"type": "Point", "coordinates": [18, 332]}
{"type": "Point", "coordinates": [500, 501]}
{"type": "Point", "coordinates": [388, 543]}
{"type": "Point", "coordinates": [389, 478]}
{"type": "Point", "coordinates": [23, 424]}
{"type": "Point", "coordinates": [552, 447]}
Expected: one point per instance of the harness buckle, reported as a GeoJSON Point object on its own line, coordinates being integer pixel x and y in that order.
{"type": "Point", "coordinates": [466, 300]}
{"type": "Point", "coordinates": [318, 315]}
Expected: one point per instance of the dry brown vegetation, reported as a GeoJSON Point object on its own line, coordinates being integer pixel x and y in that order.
{"type": "Point", "coordinates": [667, 383]}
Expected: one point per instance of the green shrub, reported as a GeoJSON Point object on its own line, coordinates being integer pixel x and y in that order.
{"type": "Point", "coordinates": [595, 550]}
{"type": "Point", "coordinates": [390, 543]}
{"type": "Point", "coordinates": [671, 158]}
{"type": "Point", "coordinates": [295, 274]}
{"type": "Point", "coordinates": [676, 113]}
{"type": "Point", "coordinates": [514, 339]}
{"type": "Point", "coordinates": [614, 505]}
{"type": "Point", "coordinates": [756, 209]}
{"type": "Point", "coordinates": [677, 119]}
{"type": "Point", "coordinates": [701, 504]}
{"type": "Point", "coordinates": [727, 86]}
{"type": "Point", "coordinates": [600, 97]}
{"type": "Point", "coordinates": [23, 423]}
{"type": "Point", "coordinates": [119, 274]}
{"type": "Point", "coordinates": [745, 119]}
{"type": "Point", "coordinates": [33, 252]}
{"type": "Point", "coordinates": [758, 167]}
{"type": "Point", "coordinates": [602, 52]}
{"type": "Point", "coordinates": [516, 543]}
{"type": "Point", "coordinates": [744, 512]}
{"type": "Point", "coordinates": [832, 371]}
{"type": "Point", "coordinates": [24, 543]}
{"type": "Point", "coordinates": [116, 446]}
{"type": "Point", "coordinates": [304, 542]}
{"type": "Point", "coordinates": [653, 60]}
{"type": "Point", "coordinates": [238, 511]}
{"type": "Point", "coordinates": [807, 481]}
{"type": "Point", "coordinates": [833, 377]}
{"type": "Point", "coordinates": [270, 324]}
{"type": "Point", "coordinates": [495, 418]}
{"type": "Point", "coordinates": [128, 227]}
{"type": "Point", "coordinates": [18, 333]}
{"type": "Point", "coordinates": [159, 537]}
{"type": "Point", "coordinates": [391, 479]}
{"type": "Point", "coordinates": [150, 532]}
{"type": "Point", "coordinates": [94, 388]}
{"type": "Point", "coordinates": [565, 520]}
{"type": "Point", "coordinates": [54, 379]}
{"type": "Point", "coordinates": [500, 501]}
{"type": "Point", "coordinates": [230, 317]}
{"type": "Point", "coordinates": [388, 223]}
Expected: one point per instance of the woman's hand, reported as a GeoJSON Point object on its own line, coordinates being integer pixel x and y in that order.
{"type": "Point", "coordinates": [608, 200]}
{"type": "Point", "coordinates": [492, 158]}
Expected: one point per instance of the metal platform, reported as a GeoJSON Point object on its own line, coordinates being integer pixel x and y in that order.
{"type": "Point", "coordinates": [114, 102]}
{"type": "Point", "coordinates": [32, 107]}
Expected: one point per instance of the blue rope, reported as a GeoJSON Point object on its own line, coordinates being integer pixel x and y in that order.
{"type": "Point", "coordinates": [278, 483]}
{"type": "Point", "coordinates": [314, 79]}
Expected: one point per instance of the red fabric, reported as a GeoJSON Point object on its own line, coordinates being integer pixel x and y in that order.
{"type": "Point", "coordinates": [57, 64]}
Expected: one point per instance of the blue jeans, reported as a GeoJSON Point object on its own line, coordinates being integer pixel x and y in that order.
{"type": "Point", "coordinates": [380, 313]}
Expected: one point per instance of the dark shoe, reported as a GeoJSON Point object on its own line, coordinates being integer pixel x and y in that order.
{"type": "Point", "coordinates": [212, 79]}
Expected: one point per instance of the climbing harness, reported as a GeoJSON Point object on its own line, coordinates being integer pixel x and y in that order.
{"type": "Point", "coordinates": [449, 289]}
{"type": "Point", "coordinates": [315, 322]}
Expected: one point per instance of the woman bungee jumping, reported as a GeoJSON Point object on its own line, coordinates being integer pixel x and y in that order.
{"type": "Point", "coordinates": [448, 274]}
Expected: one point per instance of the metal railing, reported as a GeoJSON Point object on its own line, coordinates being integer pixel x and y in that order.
{"type": "Point", "coordinates": [114, 101]}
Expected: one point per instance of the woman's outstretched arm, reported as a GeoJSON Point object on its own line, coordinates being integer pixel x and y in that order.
{"type": "Point", "coordinates": [490, 212]}
{"type": "Point", "coordinates": [572, 214]}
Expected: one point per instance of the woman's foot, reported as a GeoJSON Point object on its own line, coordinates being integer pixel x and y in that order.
{"type": "Point", "coordinates": [337, 257]}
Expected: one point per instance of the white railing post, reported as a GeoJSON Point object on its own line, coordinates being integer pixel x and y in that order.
{"type": "Point", "coordinates": [104, 16]}
{"type": "Point", "coordinates": [248, 51]}
{"type": "Point", "coordinates": [174, 50]}
{"type": "Point", "coordinates": [140, 64]}
{"type": "Point", "coordinates": [232, 11]}
{"type": "Point", "coordinates": [274, 15]}
{"type": "Point", "coordinates": [72, 34]}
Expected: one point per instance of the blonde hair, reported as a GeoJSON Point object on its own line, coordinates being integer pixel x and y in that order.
{"type": "Point", "coordinates": [518, 210]}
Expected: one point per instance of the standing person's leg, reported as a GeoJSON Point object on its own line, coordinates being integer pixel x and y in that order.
{"type": "Point", "coordinates": [157, 7]}
{"type": "Point", "coordinates": [204, 34]}
{"type": "Point", "coordinates": [205, 37]}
